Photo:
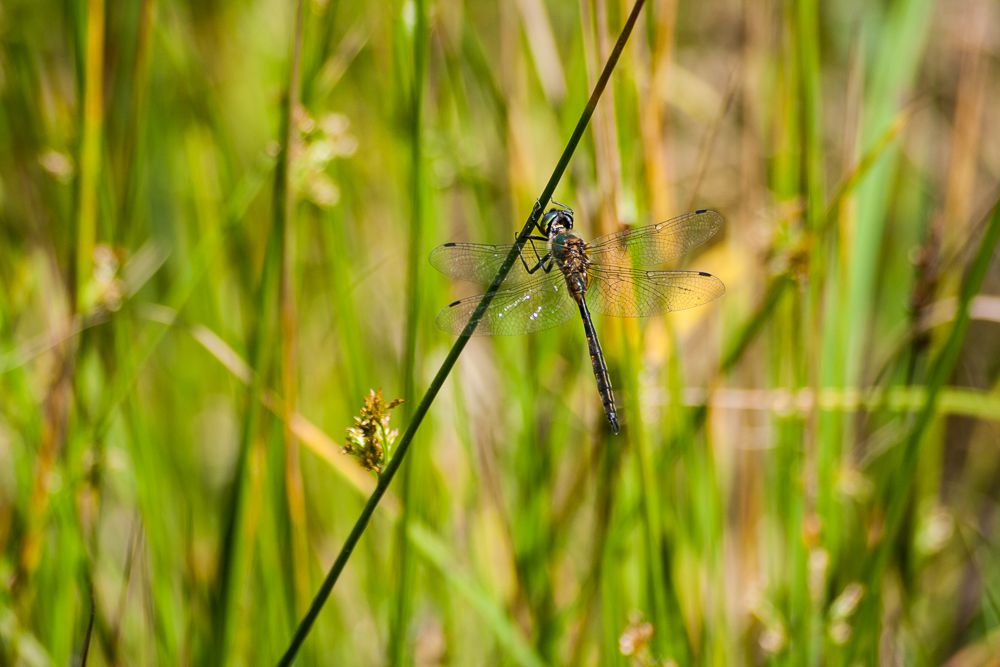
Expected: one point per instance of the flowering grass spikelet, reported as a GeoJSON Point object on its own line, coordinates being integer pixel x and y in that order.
{"type": "Point", "coordinates": [370, 439]}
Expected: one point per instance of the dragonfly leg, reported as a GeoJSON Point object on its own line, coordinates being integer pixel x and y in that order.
{"type": "Point", "coordinates": [545, 264]}
{"type": "Point", "coordinates": [536, 215]}
{"type": "Point", "coordinates": [540, 260]}
{"type": "Point", "coordinates": [540, 265]}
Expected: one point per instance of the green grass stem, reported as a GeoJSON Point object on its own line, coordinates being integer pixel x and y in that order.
{"type": "Point", "coordinates": [425, 403]}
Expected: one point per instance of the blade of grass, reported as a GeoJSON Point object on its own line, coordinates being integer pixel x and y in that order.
{"type": "Point", "coordinates": [953, 401]}
{"type": "Point", "coordinates": [425, 403]}
{"type": "Point", "coordinates": [284, 222]}
{"type": "Point", "coordinates": [273, 307]}
{"type": "Point", "coordinates": [90, 146]}
{"type": "Point", "coordinates": [400, 620]}
{"type": "Point", "coordinates": [822, 456]}
{"type": "Point", "coordinates": [903, 35]}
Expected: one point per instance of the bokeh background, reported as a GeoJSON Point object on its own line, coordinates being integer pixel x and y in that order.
{"type": "Point", "coordinates": [214, 223]}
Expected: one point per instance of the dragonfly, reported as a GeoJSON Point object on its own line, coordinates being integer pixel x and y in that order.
{"type": "Point", "coordinates": [610, 276]}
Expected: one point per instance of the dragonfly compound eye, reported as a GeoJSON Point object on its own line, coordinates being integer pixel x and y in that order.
{"type": "Point", "coordinates": [559, 217]}
{"type": "Point", "coordinates": [547, 219]}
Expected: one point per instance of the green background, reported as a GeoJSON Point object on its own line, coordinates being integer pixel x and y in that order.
{"type": "Point", "coordinates": [214, 224]}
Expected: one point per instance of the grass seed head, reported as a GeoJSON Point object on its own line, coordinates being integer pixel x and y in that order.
{"type": "Point", "coordinates": [370, 440]}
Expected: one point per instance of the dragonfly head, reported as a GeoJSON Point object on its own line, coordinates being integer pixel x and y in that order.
{"type": "Point", "coordinates": [557, 220]}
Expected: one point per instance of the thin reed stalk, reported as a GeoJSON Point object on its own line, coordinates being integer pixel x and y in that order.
{"type": "Point", "coordinates": [400, 619]}
{"type": "Point", "coordinates": [425, 403]}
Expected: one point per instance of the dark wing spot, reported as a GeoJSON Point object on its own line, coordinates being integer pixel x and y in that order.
{"type": "Point", "coordinates": [702, 273]}
{"type": "Point", "coordinates": [453, 304]}
{"type": "Point", "coordinates": [702, 210]}
{"type": "Point", "coordinates": [450, 245]}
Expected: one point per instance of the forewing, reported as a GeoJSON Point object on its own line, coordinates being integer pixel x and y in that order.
{"type": "Point", "coordinates": [656, 244]}
{"type": "Point", "coordinates": [540, 304]}
{"type": "Point", "coordinates": [480, 262]}
{"type": "Point", "coordinates": [623, 292]}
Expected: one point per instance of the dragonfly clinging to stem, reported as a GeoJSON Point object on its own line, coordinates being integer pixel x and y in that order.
{"type": "Point", "coordinates": [604, 276]}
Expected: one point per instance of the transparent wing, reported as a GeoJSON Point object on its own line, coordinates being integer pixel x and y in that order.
{"type": "Point", "coordinates": [479, 262]}
{"type": "Point", "coordinates": [656, 244]}
{"type": "Point", "coordinates": [540, 304]}
{"type": "Point", "coordinates": [622, 292]}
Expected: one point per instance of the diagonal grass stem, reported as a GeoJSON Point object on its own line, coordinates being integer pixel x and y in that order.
{"type": "Point", "coordinates": [435, 386]}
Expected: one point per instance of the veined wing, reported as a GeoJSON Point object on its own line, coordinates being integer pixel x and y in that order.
{"type": "Point", "coordinates": [626, 292]}
{"type": "Point", "coordinates": [656, 244]}
{"type": "Point", "coordinates": [542, 303]}
{"type": "Point", "coordinates": [479, 262]}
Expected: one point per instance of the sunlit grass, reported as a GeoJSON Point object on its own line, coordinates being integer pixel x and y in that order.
{"type": "Point", "coordinates": [203, 279]}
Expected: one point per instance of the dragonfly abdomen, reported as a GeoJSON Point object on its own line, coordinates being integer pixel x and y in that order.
{"type": "Point", "coordinates": [600, 366]}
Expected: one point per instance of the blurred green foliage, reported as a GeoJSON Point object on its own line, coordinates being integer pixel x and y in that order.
{"type": "Point", "coordinates": [209, 257]}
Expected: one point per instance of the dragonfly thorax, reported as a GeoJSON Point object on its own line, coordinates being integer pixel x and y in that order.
{"type": "Point", "coordinates": [570, 254]}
